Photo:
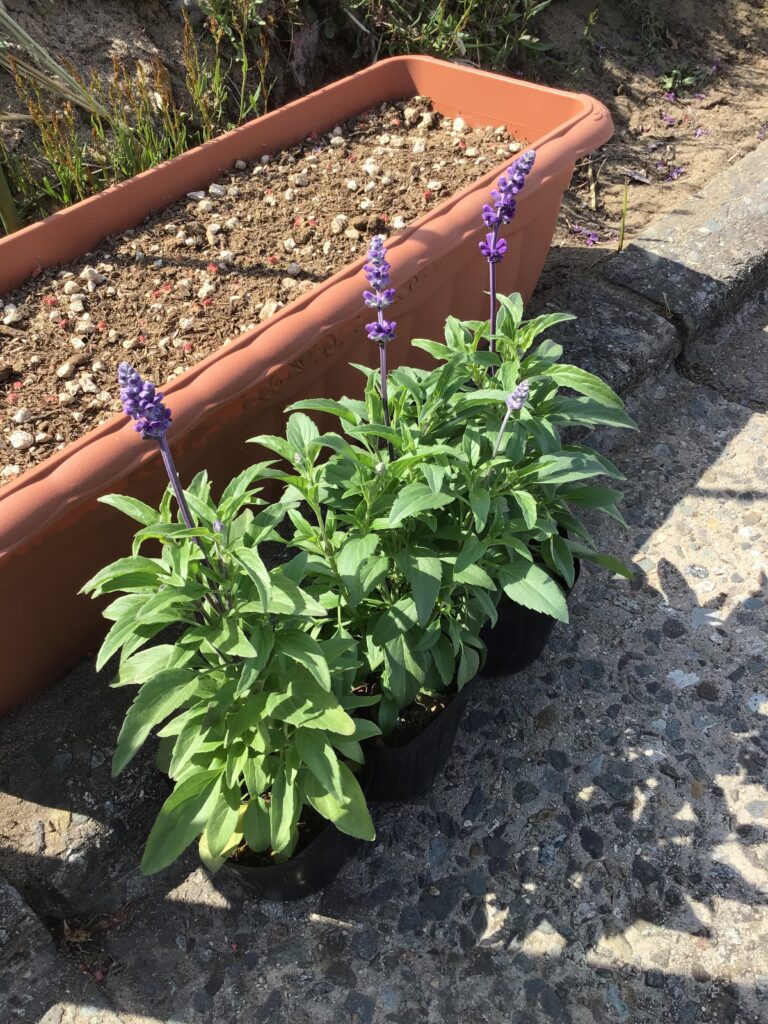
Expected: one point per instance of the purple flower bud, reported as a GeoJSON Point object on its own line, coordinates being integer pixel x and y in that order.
{"type": "Point", "coordinates": [517, 399]}
{"type": "Point", "coordinates": [143, 403]}
{"type": "Point", "coordinates": [493, 248]}
{"type": "Point", "coordinates": [381, 331]}
{"type": "Point", "coordinates": [379, 300]}
{"type": "Point", "coordinates": [218, 526]}
{"type": "Point", "coordinates": [490, 217]}
{"type": "Point", "coordinates": [377, 269]}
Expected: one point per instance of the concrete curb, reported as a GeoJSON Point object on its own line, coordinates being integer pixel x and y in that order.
{"type": "Point", "coordinates": [680, 277]}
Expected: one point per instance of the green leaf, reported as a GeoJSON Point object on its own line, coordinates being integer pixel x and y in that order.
{"type": "Point", "coordinates": [480, 503]}
{"type": "Point", "coordinates": [222, 821]}
{"type": "Point", "coordinates": [325, 405]}
{"type": "Point", "coordinates": [349, 813]}
{"type": "Point", "coordinates": [350, 749]}
{"type": "Point", "coordinates": [472, 551]}
{"type": "Point", "coordinates": [319, 756]}
{"type": "Point", "coordinates": [512, 306]}
{"type": "Point", "coordinates": [256, 773]}
{"type": "Point", "coordinates": [182, 818]}
{"type": "Point", "coordinates": [190, 738]}
{"type": "Point", "coordinates": [588, 413]}
{"type": "Point", "coordinates": [424, 574]}
{"type": "Point", "coordinates": [606, 561]}
{"type": "Point", "coordinates": [125, 573]}
{"type": "Point", "coordinates": [141, 666]}
{"type": "Point", "coordinates": [275, 444]}
{"type": "Point", "coordinates": [585, 383]}
{"type": "Point", "coordinates": [289, 599]}
{"type": "Point", "coordinates": [256, 831]}
{"type": "Point", "coordinates": [602, 498]}
{"type": "Point", "coordinates": [125, 633]}
{"type": "Point", "coordinates": [214, 863]}
{"type": "Point", "coordinates": [474, 576]}
{"type": "Point", "coordinates": [568, 467]}
{"type": "Point", "coordinates": [301, 648]}
{"type": "Point", "coordinates": [301, 431]}
{"type": "Point", "coordinates": [284, 808]}
{"type": "Point", "coordinates": [397, 619]}
{"type": "Point", "coordinates": [351, 563]}
{"type": "Point", "coordinates": [305, 704]}
{"type": "Point", "coordinates": [436, 349]}
{"type": "Point", "coordinates": [562, 558]}
{"type": "Point", "coordinates": [404, 674]}
{"type": "Point", "coordinates": [251, 561]}
{"type": "Point", "coordinates": [163, 694]}
{"type": "Point", "coordinates": [250, 714]}
{"type": "Point", "coordinates": [529, 585]}
{"type": "Point", "coordinates": [413, 499]}
{"type": "Point", "coordinates": [527, 504]}
{"type": "Point", "coordinates": [172, 531]}
{"type": "Point", "coordinates": [444, 659]}
{"type": "Point", "coordinates": [469, 663]}
{"type": "Point", "coordinates": [132, 507]}
{"type": "Point", "coordinates": [228, 638]}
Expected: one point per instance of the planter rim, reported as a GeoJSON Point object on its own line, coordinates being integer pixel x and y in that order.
{"type": "Point", "coordinates": [94, 462]}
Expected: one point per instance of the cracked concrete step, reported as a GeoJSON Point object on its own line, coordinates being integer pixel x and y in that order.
{"type": "Point", "coordinates": [36, 982]}
{"type": "Point", "coordinates": [734, 359]}
{"type": "Point", "coordinates": [705, 257]}
{"type": "Point", "coordinates": [71, 835]}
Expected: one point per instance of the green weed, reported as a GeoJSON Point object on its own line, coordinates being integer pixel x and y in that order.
{"type": "Point", "coordinates": [489, 34]}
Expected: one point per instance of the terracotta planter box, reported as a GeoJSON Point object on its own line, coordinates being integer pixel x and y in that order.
{"type": "Point", "coordinates": [54, 535]}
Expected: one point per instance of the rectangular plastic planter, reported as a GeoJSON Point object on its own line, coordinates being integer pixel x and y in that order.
{"type": "Point", "coordinates": [54, 535]}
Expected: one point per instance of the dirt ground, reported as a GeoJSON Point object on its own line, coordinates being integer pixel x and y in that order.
{"type": "Point", "coordinates": [669, 141]}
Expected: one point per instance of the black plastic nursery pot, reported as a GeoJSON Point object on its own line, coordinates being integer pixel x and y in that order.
{"type": "Point", "coordinates": [519, 636]}
{"type": "Point", "coordinates": [308, 872]}
{"type": "Point", "coordinates": [399, 773]}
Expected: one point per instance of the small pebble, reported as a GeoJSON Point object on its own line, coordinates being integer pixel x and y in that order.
{"type": "Point", "coordinates": [21, 440]}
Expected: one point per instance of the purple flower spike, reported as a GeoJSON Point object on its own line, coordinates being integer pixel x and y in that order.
{"type": "Point", "coordinates": [503, 210]}
{"type": "Point", "coordinates": [143, 403]}
{"type": "Point", "coordinates": [517, 399]}
{"type": "Point", "coordinates": [379, 297]}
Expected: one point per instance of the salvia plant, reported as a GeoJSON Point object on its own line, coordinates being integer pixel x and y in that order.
{"type": "Point", "coordinates": [441, 492]}
{"type": "Point", "coordinates": [253, 691]}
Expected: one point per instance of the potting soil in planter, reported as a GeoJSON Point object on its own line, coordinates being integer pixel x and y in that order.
{"type": "Point", "coordinates": [170, 292]}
